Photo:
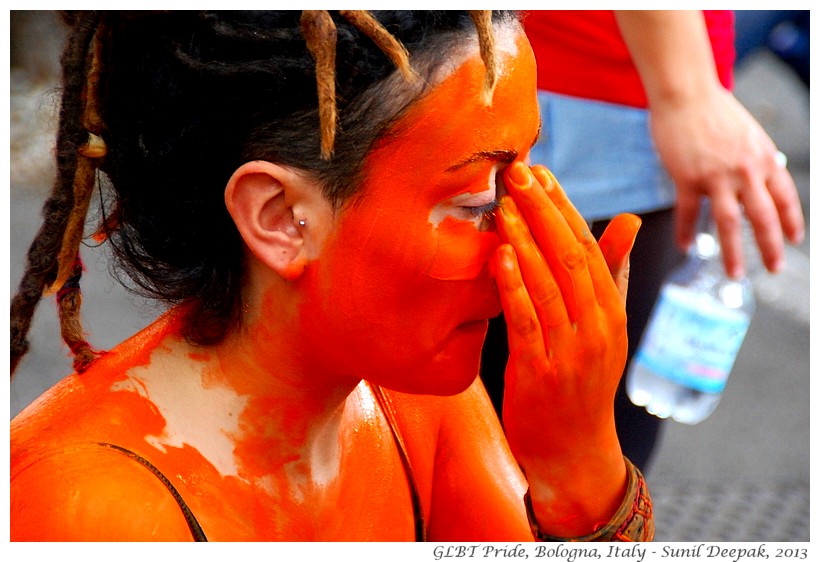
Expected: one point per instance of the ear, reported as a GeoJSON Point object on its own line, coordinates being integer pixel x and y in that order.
{"type": "Point", "coordinates": [267, 201]}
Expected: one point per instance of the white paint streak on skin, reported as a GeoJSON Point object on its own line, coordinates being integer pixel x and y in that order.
{"type": "Point", "coordinates": [268, 484]}
{"type": "Point", "coordinates": [366, 402]}
{"type": "Point", "coordinates": [505, 42]}
{"type": "Point", "coordinates": [203, 417]}
{"type": "Point", "coordinates": [452, 206]}
{"type": "Point", "coordinates": [325, 452]}
{"type": "Point", "coordinates": [505, 37]}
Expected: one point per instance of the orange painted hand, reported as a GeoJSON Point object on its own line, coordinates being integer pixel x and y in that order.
{"type": "Point", "coordinates": [563, 299]}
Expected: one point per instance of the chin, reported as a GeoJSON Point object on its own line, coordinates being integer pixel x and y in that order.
{"type": "Point", "coordinates": [450, 371]}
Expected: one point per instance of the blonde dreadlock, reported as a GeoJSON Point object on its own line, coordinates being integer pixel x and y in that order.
{"type": "Point", "coordinates": [320, 34]}
{"type": "Point", "coordinates": [65, 209]}
{"type": "Point", "coordinates": [70, 267]}
{"type": "Point", "coordinates": [486, 42]}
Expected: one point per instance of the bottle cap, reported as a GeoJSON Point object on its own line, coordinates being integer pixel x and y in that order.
{"type": "Point", "coordinates": [705, 245]}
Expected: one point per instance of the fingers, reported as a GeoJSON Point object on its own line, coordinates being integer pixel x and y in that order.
{"type": "Point", "coordinates": [687, 210]}
{"type": "Point", "coordinates": [549, 231]}
{"type": "Point", "coordinates": [578, 225]}
{"type": "Point", "coordinates": [564, 238]}
{"type": "Point", "coordinates": [574, 220]}
{"type": "Point", "coordinates": [538, 279]}
{"type": "Point", "coordinates": [599, 270]}
{"type": "Point", "coordinates": [760, 187]}
{"type": "Point", "coordinates": [523, 327]}
{"type": "Point", "coordinates": [569, 282]}
{"type": "Point", "coordinates": [763, 216]}
{"type": "Point", "coordinates": [616, 244]}
{"type": "Point", "coordinates": [772, 205]}
{"type": "Point", "coordinates": [728, 218]}
{"type": "Point", "coordinates": [787, 201]}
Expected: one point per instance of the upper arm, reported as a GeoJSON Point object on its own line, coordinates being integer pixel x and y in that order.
{"type": "Point", "coordinates": [92, 494]}
{"type": "Point", "coordinates": [478, 487]}
{"type": "Point", "coordinates": [671, 51]}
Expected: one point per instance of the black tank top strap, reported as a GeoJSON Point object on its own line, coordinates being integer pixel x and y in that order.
{"type": "Point", "coordinates": [387, 407]}
{"type": "Point", "coordinates": [193, 524]}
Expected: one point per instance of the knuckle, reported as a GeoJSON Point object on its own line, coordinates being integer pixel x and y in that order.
{"type": "Point", "coordinates": [746, 166]}
{"type": "Point", "coordinates": [588, 242]}
{"type": "Point", "coordinates": [728, 219]}
{"type": "Point", "coordinates": [575, 257]}
{"type": "Point", "coordinates": [525, 326]}
{"type": "Point", "coordinates": [545, 293]}
{"type": "Point", "coordinates": [766, 223]}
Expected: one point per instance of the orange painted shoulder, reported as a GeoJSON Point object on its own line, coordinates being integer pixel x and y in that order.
{"type": "Point", "coordinates": [421, 415]}
{"type": "Point", "coordinates": [421, 419]}
{"type": "Point", "coordinates": [64, 486]}
{"type": "Point", "coordinates": [483, 502]}
{"type": "Point", "coordinates": [101, 404]}
{"type": "Point", "coordinates": [92, 493]}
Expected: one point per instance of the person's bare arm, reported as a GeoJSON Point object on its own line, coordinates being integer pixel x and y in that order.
{"type": "Point", "coordinates": [708, 141]}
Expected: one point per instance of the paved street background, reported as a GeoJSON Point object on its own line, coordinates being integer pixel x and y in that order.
{"type": "Point", "coordinates": [741, 475]}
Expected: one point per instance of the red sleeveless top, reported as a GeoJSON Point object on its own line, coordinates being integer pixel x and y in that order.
{"type": "Point", "coordinates": [581, 53]}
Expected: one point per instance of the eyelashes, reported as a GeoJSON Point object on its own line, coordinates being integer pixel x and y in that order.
{"type": "Point", "coordinates": [483, 212]}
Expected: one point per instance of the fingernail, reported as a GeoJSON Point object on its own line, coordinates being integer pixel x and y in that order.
{"type": "Point", "coordinates": [520, 175]}
{"type": "Point", "coordinates": [505, 257]}
{"type": "Point", "coordinates": [508, 208]}
{"type": "Point", "coordinates": [545, 177]}
{"type": "Point", "coordinates": [636, 223]}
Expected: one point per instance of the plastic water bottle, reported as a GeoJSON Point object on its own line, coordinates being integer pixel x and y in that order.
{"type": "Point", "coordinates": [693, 336]}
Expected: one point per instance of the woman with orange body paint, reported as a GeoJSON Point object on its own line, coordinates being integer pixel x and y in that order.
{"type": "Point", "coordinates": [344, 403]}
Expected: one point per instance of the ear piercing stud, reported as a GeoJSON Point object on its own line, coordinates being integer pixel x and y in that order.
{"type": "Point", "coordinates": [302, 222]}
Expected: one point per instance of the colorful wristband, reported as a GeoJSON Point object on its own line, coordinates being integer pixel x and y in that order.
{"type": "Point", "coordinates": [632, 522]}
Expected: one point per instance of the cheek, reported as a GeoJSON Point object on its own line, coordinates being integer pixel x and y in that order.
{"type": "Point", "coordinates": [384, 248]}
{"type": "Point", "coordinates": [377, 312]}
{"type": "Point", "coordinates": [461, 250]}
{"type": "Point", "coordinates": [372, 272]}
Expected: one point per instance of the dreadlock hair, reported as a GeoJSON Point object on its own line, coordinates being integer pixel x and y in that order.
{"type": "Point", "coordinates": [160, 108]}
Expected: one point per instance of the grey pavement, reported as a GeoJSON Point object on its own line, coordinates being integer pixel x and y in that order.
{"type": "Point", "coordinates": [741, 475]}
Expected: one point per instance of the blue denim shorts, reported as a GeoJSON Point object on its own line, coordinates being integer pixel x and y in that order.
{"type": "Point", "coordinates": [602, 155]}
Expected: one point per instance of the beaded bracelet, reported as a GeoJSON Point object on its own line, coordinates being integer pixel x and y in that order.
{"type": "Point", "coordinates": [632, 522]}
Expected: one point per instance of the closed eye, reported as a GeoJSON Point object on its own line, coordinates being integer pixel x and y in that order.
{"type": "Point", "coordinates": [483, 211]}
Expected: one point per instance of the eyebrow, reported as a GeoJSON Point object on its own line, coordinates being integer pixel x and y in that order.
{"type": "Point", "coordinates": [505, 156]}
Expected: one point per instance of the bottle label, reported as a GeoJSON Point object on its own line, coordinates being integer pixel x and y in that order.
{"type": "Point", "coordinates": [692, 339]}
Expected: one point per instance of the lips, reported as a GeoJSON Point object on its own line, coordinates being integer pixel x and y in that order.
{"type": "Point", "coordinates": [485, 303]}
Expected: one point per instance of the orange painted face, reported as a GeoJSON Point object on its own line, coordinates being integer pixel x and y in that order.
{"type": "Point", "coordinates": [403, 290]}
